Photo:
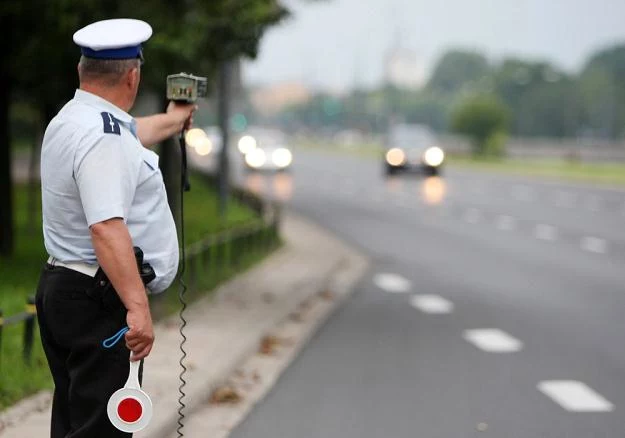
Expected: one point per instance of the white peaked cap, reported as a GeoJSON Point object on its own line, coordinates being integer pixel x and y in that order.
{"type": "Point", "coordinates": [119, 38]}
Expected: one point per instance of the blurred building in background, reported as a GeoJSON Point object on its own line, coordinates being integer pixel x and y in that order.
{"type": "Point", "coordinates": [273, 98]}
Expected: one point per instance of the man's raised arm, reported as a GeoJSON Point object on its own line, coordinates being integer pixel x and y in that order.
{"type": "Point", "coordinates": [152, 130]}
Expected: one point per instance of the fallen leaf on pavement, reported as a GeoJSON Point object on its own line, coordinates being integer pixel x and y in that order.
{"type": "Point", "coordinates": [296, 317]}
{"type": "Point", "coordinates": [225, 394]}
{"type": "Point", "coordinates": [269, 344]}
{"type": "Point", "coordinates": [327, 295]}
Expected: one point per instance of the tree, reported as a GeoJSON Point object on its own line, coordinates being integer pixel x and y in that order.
{"type": "Point", "coordinates": [549, 110]}
{"type": "Point", "coordinates": [481, 118]}
{"type": "Point", "coordinates": [6, 196]}
{"type": "Point", "coordinates": [41, 69]}
{"type": "Point", "coordinates": [543, 100]}
{"type": "Point", "coordinates": [459, 69]}
{"type": "Point", "coordinates": [602, 85]}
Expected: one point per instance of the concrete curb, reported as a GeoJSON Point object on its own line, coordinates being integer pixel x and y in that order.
{"type": "Point", "coordinates": [254, 378]}
{"type": "Point", "coordinates": [353, 263]}
{"type": "Point", "coordinates": [163, 427]}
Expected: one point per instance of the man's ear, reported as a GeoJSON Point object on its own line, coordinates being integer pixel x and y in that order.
{"type": "Point", "coordinates": [132, 78]}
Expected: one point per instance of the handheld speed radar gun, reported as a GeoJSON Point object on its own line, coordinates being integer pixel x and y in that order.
{"type": "Point", "coordinates": [183, 87]}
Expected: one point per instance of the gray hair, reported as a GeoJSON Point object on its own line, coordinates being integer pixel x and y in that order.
{"type": "Point", "coordinates": [107, 71]}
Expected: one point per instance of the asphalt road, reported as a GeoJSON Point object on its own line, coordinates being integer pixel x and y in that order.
{"type": "Point", "coordinates": [495, 307]}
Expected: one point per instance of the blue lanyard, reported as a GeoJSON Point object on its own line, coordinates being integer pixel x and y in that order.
{"type": "Point", "coordinates": [110, 342]}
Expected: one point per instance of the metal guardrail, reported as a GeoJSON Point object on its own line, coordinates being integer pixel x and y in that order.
{"type": "Point", "coordinates": [28, 317]}
{"type": "Point", "coordinates": [227, 249]}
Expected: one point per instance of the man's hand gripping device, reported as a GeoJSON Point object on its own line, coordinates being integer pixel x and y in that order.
{"type": "Point", "coordinates": [185, 88]}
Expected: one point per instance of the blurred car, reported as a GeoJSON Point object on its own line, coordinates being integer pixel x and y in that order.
{"type": "Point", "coordinates": [203, 148]}
{"type": "Point", "coordinates": [412, 147]}
{"type": "Point", "coordinates": [265, 149]}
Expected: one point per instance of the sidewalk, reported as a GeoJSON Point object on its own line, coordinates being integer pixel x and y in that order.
{"type": "Point", "coordinates": [225, 329]}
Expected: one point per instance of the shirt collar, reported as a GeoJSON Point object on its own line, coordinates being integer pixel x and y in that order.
{"type": "Point", "coordinates": [103, 104]}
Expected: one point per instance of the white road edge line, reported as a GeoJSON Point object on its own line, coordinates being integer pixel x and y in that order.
{"type": "Point", "coordinates": [433, 304]}
{"type": "Point", "coordinates": [545, 232]}
{"type": "Point", "coordinates": [594, 244]}
{"type": "Point", "coordinates": [392, 283]}
{"type": "Point", "coordinates": [493, 340]}
{"type": "Point", "coordinates": [575, 396]}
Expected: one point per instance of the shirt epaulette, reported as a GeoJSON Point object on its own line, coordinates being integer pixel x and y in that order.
{"type": "Point", "coordinates": [111, 124]}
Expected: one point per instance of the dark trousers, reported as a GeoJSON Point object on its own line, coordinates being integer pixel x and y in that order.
{"type": "Point", "coordinates": [74, 318]}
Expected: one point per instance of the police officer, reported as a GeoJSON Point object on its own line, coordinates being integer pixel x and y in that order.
{"type": "Point", "coordinates": [102, 194]}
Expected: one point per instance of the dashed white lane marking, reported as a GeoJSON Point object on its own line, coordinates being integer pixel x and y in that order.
{"type": "Point", "coordinates": [575, 396]}
{"type": "Point", "coordinates": [546, 232]}
{"type": "Point", "coordinates": [493, 340]}
{"type": "Point", "coordinates": [472, 216]}
{"type": "Point", "coordinates": [392, 283]}
{"type": "Point", "coordinates": [505, 223]}
{"type": "Point", "coordinates": [434, 304]}
{"type": "Point", "coordinates": [594, 244]}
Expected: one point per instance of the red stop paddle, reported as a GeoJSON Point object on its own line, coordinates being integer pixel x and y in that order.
{"type": "Point", "coordinates": [129, 408]}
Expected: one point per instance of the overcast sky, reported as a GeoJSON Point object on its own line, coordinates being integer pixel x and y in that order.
{"type": "Point", "coordinates": [335, 43]}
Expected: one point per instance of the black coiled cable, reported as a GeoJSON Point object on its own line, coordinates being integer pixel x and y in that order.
{"type": "Point", "coordinates": [184, 187]}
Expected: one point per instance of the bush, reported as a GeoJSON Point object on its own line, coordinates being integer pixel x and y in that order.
{"type": "Point", "coordinates": [495, 145]}
{"type": "Point", "coordinates": [482, 118]}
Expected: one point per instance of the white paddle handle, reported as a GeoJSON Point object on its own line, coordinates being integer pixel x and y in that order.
{"type": "Point", "coordinates": [133, 375]}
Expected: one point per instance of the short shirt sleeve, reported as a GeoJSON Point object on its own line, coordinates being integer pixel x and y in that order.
{"type": "Point", "coordinates": [106, 172]}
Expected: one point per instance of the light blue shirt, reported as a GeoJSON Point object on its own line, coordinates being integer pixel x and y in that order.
{"type": "Point", "coordinates": [94, 168]}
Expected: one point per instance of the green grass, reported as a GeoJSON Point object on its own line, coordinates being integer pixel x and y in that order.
{"type": "Point", "coordinates": [18, 281]}
{"type": "Point", "coordinates": [596, 173]}
{"type": "Point", "coordinates": [201, 211]}
{"type": "Point", "coordinates": [19, 275]}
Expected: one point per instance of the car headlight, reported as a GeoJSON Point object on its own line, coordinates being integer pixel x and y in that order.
{"type": "Point", "coordinates": [246, 144]}
{"type": "Point", "coordinates": [434, 156]}
{"type": "Point", "coordinates": [194, 136]}
{"type": "Point", "coordinates": [395, 157]}
{"type": "Point", "coordinates": [255, 158]}
{"type": "Point", "coordinates": [204, 146]}
{"type": "Point", "coordinates": [282, 157]}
